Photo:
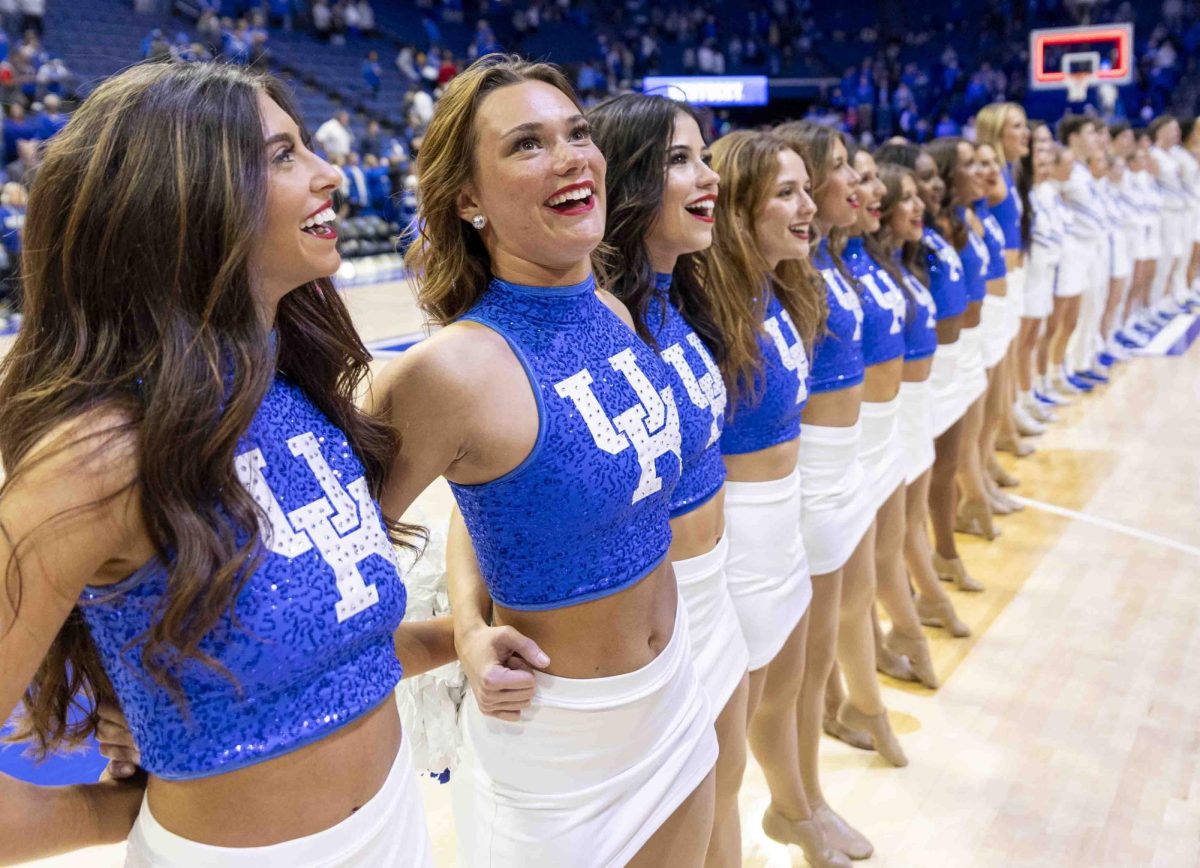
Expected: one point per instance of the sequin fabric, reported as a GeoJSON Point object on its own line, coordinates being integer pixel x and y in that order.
{"type": "Point", "coordinates": [920, 326]}
{"type": "Point", "coordinates": [947, 279]}
{"type": "Point", "coordinates": [883, 305]}
{"type": "Point", "coordinates": [586, 514]}
{"type": "Point", "coordinates": [1008, 212]}
{"type": "Point", "coordinates": [769, 414]}
{"type": "Point", "coordinates": [310, 645]}
{"type": "Point", "coordinates": [993, 240]}
{"type": "Point", "coordinates": [700, 398]}
{"type": "Point", "coordinates": [837, 355]}
{"type": "Point", "coordinates": [975, 264]}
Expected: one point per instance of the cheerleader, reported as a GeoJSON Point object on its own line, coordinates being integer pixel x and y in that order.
{"type": "Point", "coordinates": [1131, 197]}
{"type": "Point", "coordinates": [771, 305]}
{"type": "Point", "coordinates": [559, 431]}
{"type": "Point", "coordinates": [942, 267]}
{"type": "Point", "coordinates": [959, 169]}
{"type": "Point", "coordinates": [1082, 276]}
{"type": "Point", "coordinates": [188, 515]}
{"type": "Point", "coordinates": [1187, 157]}
{"type": "Point", "coordinates": [1141, 322]}
{"type": "Point", "coordinates": [998, 334]}
{"type": "Point", "coordinates": [837, 421]}
{"type": "Point", "coordinates": [1005, 127]}
{"type": "Point", "coordinates": [1164, 133]}
{"type": "Point", "coordinates": [1120, 217]}
{"type": "Point", "coordinates": [1036, 309]}
{"type": "Point", "coordinates": [1060, 172]}
{"type": "Point", "coordinates": [1045, 251]}
{"type": "Point", "coordinates": [654, 221]}
{"type": "Point", "coordinates": [836, 519]}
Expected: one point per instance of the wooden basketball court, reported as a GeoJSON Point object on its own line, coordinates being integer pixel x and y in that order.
{"type": "Point", "coordinates": [1067, 729]}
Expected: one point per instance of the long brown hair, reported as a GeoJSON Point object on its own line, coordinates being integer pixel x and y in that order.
{"type": "Point", "coordinates": [139, 298]}
{"type": "Point", "coordinates": [448, 259]}
{"type": "Point", "coordinates": [949, 223]}
{"type": "Point", "coordinates": [737, 277]}
{"type": "Point", "coordinates": [883, 246]}
{"type": "Point", "coordinates": [814, 142]}
{"type": "Point", "coordinates": [634, 132]}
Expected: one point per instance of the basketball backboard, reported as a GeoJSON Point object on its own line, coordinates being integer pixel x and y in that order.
{"type": "Point", "coordinates": [1075, 58]}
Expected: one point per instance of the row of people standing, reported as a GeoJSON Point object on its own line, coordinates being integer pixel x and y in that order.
{"type": "Point", "coordinates": [689, 400]}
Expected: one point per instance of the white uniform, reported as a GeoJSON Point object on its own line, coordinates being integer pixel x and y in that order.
{"type": "Point", "coordinates": [1149, 216]}
{"type": "Point", "coordinates": [1083, 270]}
{"type": "Point", "coordinates": [1177, 233]}
{"type": "Point", "coordinates": [1045, 251]}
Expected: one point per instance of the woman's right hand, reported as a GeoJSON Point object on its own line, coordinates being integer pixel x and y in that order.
{"type": "Point", "coordinates": [499, 664]}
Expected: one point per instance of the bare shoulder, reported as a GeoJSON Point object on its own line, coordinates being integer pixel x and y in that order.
{"type": "Point", "coordinates": [459, 360]}
{"type": "Point", "coordinates": [616, 306]}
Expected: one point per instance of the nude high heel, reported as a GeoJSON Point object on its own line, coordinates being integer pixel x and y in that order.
{"type": "Point", "coordinates": [940, 613]}
{"type": "Point", "coordinates": [806, 835]}
{"type": "Point", "coordinates": [882, 737]}
{"type": "Point", "coordinates": [1002, 477]}
{"type": "Point", "coordinates": [834, 728]}
{"type": "Point", "coordinates": [887, 661]}
{"type": "Point", "coordinates": [915, 649]}
{"type": "Point", "coordinates": [954, 570]}
{"type": "Point", "coordinates": [1015, 446]}
{"type": "Point", "coordinates": [975, 518]}
{"type": "Point", "coordinates": [841, 835]}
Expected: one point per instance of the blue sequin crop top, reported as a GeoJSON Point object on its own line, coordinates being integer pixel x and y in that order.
{"type": "Point", "coordinates": [975, 264]}
{"type": "Point", "coordinates": [883, 305]}
{"type": "Point", "coordinates": [769, 414]}
{"type": "Point", "coordinates": [700, 399]}
{"type": "Point", "coordinates": [837, 356]}
{"type": "Point", "coordinates": [1008, 212]}
{"type": "Point", "coordinates": [310, 643]}
{"type": "Point", "coordinates": [920, 327]}
{"type": "Point", "coordinates": [586, 514]}
{"type": "Point", "coordinates": [947, 281]}
{"type": "Point", "coordinates": [993, 240]}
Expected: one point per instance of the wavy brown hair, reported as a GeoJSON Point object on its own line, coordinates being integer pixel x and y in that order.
{"type": "Point", "coordinates": [634, 132]}
{"type": "Point", "coordinates": [735, 272]}
{"type": "Point", "coordinates": [884, 247]}
{"type": "Point", "coordinates": [139, 300]}
{"type": "Point", "coordinates": [447, 258]}
{"type": "Point", "coordinates": [814, 142]}
{"type": "Point", "coordinates": [948, 222]}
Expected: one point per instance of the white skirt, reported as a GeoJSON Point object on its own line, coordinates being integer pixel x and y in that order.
{"type": "Point", "coordinates": [1016, 300]}
{"type": "Point", "coordinates": [768, 570]}
{"type": "Point", "coordinates": [972, 377]}
{"type": "Point", "coordinates": [994, 328]}
{"type": "Point", "coordinates": [881, 450]}
{"type": "Point", "coordinates": [1150, 244]}
{"type": "Point", "coordinates": [1122, 255]}
{"type": "Point", "coordinates": [388, 830]}
{"type": "Point", "coordinates": [719, 652]}
{"type": "Point", "coordinates": [1039, 286]}
{"type": "Point", "coordinates": [837, 503]}
{"type": "Point", "coordinates": [944, 391]}
{"type": "Point", "coordinates": [593, 768]}
{"type": "Point", "coordinates": [916, 427]}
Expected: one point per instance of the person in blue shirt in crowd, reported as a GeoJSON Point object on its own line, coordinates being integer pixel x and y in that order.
{"type": "Point", "coordinates": [372, 72]}
{"type": "Point", "coordinates": [379, 186]}
{"type": "Point", "coordinates": [50, 120]}
{"type": "Point", "coordinates": [16, 127]}
{"type": "Point", "coordinates": [355, 186]}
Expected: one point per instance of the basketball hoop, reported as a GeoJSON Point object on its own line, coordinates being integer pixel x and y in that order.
{"type": "Point", "coordinates": [1077, 86]}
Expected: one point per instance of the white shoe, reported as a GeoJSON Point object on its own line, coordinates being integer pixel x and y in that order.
{"type": "Point", "coordinates": [1038, 410]}
{"type": "Point", "coordinates": [1060, 385]}
{"type": "Point", "coordinates": [1027, 426]}
{"type": "Point", "coordinates": [1117, 351]}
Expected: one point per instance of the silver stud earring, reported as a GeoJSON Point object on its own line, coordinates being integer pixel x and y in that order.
{"type": "Point", "coordinates": [479, 221]}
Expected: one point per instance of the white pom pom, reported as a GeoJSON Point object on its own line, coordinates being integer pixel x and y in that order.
{"type": "Point", "coordinates": [429, 703]}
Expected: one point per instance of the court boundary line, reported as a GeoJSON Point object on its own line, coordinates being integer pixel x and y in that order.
{"type": "Point", "coordinates": [1127, 530]}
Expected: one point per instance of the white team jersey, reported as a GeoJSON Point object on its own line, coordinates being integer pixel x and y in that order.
{"type": "Point", "coordinates": [1149, 198]}
{"type": "Point", "coordinates": [1079, 194]}
{"type": "Point", "coordinates": [1049, 222]}
{"type": "Point", "coordinates": [1170, 181]}
{"type": "Point", "coordinates": [1189, 174]}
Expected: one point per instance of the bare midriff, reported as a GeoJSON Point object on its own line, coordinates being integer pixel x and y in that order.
{"type": "Point", "coordinates": [999, 286]}
{"type": "Point", "coordinates": [613, 635]}
{"type": "Point", "coordinates": [279, 800]}
{"type": "Point", "coordinates": [918, 370]}
{"type": "Point", "coordinates": [881, 382]}
{"type": "Point", "coordinates": [697, 532]}
{"type": "Point", "coordinates": [1013, 259]}
{"type": "Point", "coordinates": [836, 409]}
{"type": "Point", "coordinates": [973, 314]}
{"type": "Point", "coordinates": [948, 329]}
{"type": "Point", "coordinates": [774, 462]}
